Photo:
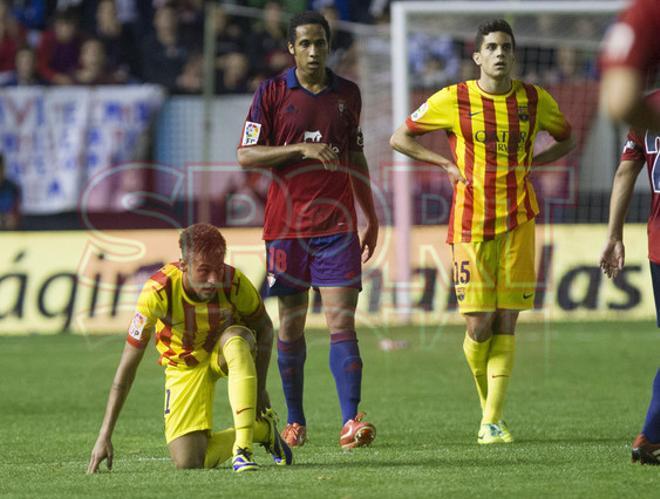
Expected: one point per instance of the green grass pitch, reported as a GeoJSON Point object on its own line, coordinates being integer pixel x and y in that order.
{"type": "Point", "coordinates": [577, 398]}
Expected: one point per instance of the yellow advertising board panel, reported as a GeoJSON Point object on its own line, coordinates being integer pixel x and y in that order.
{"type": "Point", "coordinates": [87, 282]}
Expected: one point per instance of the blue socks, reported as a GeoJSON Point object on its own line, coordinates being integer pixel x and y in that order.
{"type": "Point", "coordinates": [651, 428]}
{"type": "Point", "coordinates": [291, 361]}
{"type": "Point", "coordinates": [346, 367]}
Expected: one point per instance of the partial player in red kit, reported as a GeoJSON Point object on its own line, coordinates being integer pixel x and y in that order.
{"type": "Point", "coordinates": [304, 128]}
{"type": "Point", "coordinates": [642, 149]}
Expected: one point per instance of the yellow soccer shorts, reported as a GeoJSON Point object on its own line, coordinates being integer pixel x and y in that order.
{"type": "Point", "coordinates": [498, 273]}
{"type": "Point", "coordinates": [189, 394]}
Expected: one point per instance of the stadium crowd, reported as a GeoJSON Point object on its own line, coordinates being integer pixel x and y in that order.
{"type": "Point", "coordinates": [125, 41]}
{"type": "Point", "coordinates": [93, 42]}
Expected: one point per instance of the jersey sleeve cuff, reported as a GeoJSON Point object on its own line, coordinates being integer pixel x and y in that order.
{"type": "Point", "coordinates": [133, 342]}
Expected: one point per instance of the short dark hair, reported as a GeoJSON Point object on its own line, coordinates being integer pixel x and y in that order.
{"type": "Point", "coordinates": [492, 26]}
{"type": "Point", "coordinates": [201, 239]}
{"type": "Point", "coordinates": [307, 17]}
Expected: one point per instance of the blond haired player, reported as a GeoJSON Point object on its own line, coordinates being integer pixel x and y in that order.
{"type": "Point", "coordinates": [205, 315]}
{"type": "Point", "coordinates": [492, 124]}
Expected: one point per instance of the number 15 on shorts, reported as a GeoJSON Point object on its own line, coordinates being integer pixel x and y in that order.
{"type": "Point", "coordinates": [461, 272]}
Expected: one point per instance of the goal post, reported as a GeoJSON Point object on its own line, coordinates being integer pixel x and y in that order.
{"type": "Point", "coordinates": [578, 27]}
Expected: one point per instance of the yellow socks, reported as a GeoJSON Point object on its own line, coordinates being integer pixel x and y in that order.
{"type": "Point", "coordinates": [476, 355]}
{"type": "Point", "coordinates": [220, 447]}
{"type": "Point", "coordinates": [500, 364]}
{"type": "Point", "coordinates": [242, 389]}
{"type": "Point", "coordinates": [221, 443]}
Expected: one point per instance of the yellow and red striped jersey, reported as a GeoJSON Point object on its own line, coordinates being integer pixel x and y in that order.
{"type": "Point", "coordinates": [187, 330]}
{"type": "Point", "coordinates": [492, 141]}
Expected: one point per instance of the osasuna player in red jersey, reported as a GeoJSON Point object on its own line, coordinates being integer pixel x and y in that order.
{"type": "Point", "coordinates": [631, 53]}
{"type": "Point", "coordinates": [641, 149]}
{"type": "Point", "coordinates": [304, 126]}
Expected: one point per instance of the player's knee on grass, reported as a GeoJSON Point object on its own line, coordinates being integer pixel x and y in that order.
{"type": "Point", "coordinates": [188, 451]}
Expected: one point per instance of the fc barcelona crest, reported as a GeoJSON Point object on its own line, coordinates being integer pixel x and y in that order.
{"type": "Point", "coordinates": [523, 113]}
{"type": "Point", "coordinates": [341, 105]}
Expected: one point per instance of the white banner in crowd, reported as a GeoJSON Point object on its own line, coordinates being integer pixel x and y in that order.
{"type": "Point", "coordinates": [56, 139]}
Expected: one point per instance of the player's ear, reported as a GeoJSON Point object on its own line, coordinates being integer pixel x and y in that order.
{"type": "Point", "coordinates": [183, 265]}
{"type": "Point", "coordinates": [476, 57]}
{"type": "Point", "coordinates": [291, 48]}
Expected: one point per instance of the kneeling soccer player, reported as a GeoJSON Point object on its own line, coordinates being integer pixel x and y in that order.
{"type": "Point", "coordinates": [205, 315]}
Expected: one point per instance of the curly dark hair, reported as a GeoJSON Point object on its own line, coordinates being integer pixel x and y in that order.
{"type": "Point", "coordinates": [307, 17]}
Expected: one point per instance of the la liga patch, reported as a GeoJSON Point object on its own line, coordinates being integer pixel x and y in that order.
{"type": "Point", "coordinates": [251, 133]}
{"type": "Point", "coordinates": [137, 326]}
{"type": "Point", "coordinates": [421, 111]}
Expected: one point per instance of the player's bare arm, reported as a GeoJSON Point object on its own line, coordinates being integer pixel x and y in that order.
{"type": "Point", "coordinates": [555, 151]}
{"type": "Point", "coordinates": [612, 258]}
{"type": "Point", "coordinates": [263, 327]}
{"type": "Point", "coordinates": [269, 156]}
{"type": "Point", "coordinates": [405, 142]}
{"type": "Point", "coordinates": [121, 386]}
{"type": "Point", "coordinates": [361, 182]}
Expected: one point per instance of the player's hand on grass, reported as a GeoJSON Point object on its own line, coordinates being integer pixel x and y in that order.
{"type": "Point", "coordinates": [368, 241]}
{"type": "Point", "coordinates": [102, 450]}
{"type": "Point", "coordinates": [321, 152]}
{"type": "Point", "coordinates": [455, 174]}
{"type": "Point", "coordinates": [613, 258]}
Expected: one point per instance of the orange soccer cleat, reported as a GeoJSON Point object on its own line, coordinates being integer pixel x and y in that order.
{"type": "Point", "coordinates": [356, 433]}
{"type": "Point", "coordinates": [294, 434]}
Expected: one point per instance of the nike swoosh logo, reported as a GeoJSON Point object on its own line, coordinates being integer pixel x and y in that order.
{"type": "Point", "coordinates": [527, 295]}
{"type": "Point", "coordinates": [241, 410]}
{"type": "Point", "coordinates": [474, 113]}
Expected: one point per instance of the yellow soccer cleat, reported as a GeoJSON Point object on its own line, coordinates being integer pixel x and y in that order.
{"type": "Point", "coordinates": [243, 461]}
{"type": "Point", "coordinates": [490, 433]}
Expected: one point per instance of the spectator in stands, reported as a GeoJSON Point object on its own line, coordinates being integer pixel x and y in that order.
{"type": "Point", "coordinates": [59, 50]}
{"type": "Point", "coordinates": [12, 36]}
{"type": "Point", "coordinates": [268, 48]}
{"type": "Point", "coordinates": [190, 14]}
{"type": "Point", "coordinates": [10, 200]}
{"type": "Point", "coordinates": [343, 56]}
{"type": "Point", "coordinates": [26, 70]}
{"type": "Point", "coordinates": [433, 60]}
{"type": "Point", "coordinates": [229, 35]}
{"type": "Point", "coordinates": [33, 13]}
{"type": "Point", "coordinates": [570, 65]}
{"type": "Point", "coordinates": [163, 55]}
{"type": "Point", "coordinates": [233, 78]}
{"type": "Point", "coordinates": [94, 68]}
{"type": "Point", "coordinates": [231, 62]}
{"type": "Point", "coordinates": [190, 81]}
{"type": "Point", "coordinates": [118, 40]}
